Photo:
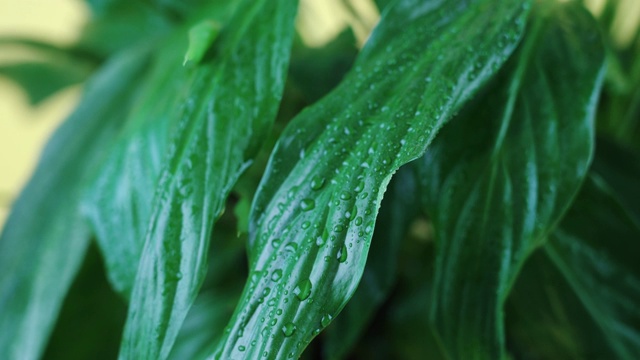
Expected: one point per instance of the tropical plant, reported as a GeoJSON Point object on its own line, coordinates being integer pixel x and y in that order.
{"type": "Point", "coordinates": [434, 194]}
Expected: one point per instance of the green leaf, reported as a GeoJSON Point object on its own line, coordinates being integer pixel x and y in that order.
{"type": "Point", "coordinates": [314, 213]}
{"type": "Point", "coordinates": [397, 211]}
{"type": "Point", "coordinates": [119, 200]}
{"type": "Point", "coordinates": [42, 79]}
{"type": "Point", "coordinates": [45, 237]}
{"type": "Point", "coordinates": [230, 105]}
{"type": "Point", "coordinates": [595, 250]}
{"type": "Point", "coordinates": [578, 298]}
{"type": "Point", "coordinates": [501, 175]}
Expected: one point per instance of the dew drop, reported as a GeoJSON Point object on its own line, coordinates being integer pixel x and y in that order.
{"type": "Point", "coordinates": [345, 195]}
{"type": "Point", "coordinates": [342, 254]}
{"type": "Point", "coordinates": [359, 187]}
{"type": "Point", "coordinates": [317, 182]}
{"type": "Point", "coordinates": [319, 241]}
{"type": "Point", "coordinates": [307, 204]}
{"type": "Point", "coordinates": [241, 348]}
{"type": "Point", "coordinates": [288, 329]}
{"type": "Point", "coordinates": [338, 228]}
{"type": "Point", "coordinates": [306, 224]}
{"type": "Point", "coordinates": [368, 229]}
{"type": "Point", "coordinates": [358, 221]}
{"type": "Point", "coordinates": [291, 247]}
{"type": "Point", "coordinates": [276, 275]}
{"type": "Point", "coordinates": [326, 320]}
{"type": "Point", "coordinates": [303, 289]}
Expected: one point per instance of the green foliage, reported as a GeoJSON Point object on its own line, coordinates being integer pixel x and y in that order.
{"type": "Point", "coordinates": [438, 194]}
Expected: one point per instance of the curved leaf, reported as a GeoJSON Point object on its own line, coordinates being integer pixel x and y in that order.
{"type": "Point", "coordinates": [229, 107]}
{"type": "Point", "coordinates": [119, 200]}
{"type": "Point", "coordinates": [314, 213]}
{"type": "Point", "coordinates": [398, 209]}
{"type": "Point", "coordinates": [500, 176]}
{"type": "Point", "coordinates": [595, 249]}
{"type": "Point", "coordinates": [45, 237]}
{"type": "Point", "coordinates": [579, 297]}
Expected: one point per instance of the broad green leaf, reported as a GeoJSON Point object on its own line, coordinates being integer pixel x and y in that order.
{"type": "Point", "coordinates": [120, 198]}
{"type": "Point", "coordinates": [500, 176]}
{"type": "Point", "coordinates": [397, 211]}
{"type": "Point", "coordinates": [45, 237]}
{"type": "Point", "coordinates": [578, 297]}
{"type": "Point", "coordinates": [219, 295]}
{"type": "Point", "coordinates": [313, 216]}
{"type": "Point", "coordinates": [596, 250]}
{"type": "Point", "coordinates": [229, 107]}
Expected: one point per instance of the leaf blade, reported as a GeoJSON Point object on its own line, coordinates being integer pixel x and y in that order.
{"type": "Point", "coordinates": [496, 188]}
{"type": "Point", "coordinates": [218, 132]}
{"type": "Point", "coordinates": [303, 182]}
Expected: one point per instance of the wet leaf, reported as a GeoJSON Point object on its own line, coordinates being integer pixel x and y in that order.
{"type": "Point", "coordinates": [398, 210]}
{"type": "Point", "coordinates": [230, 104]}
{"type": "Point", "coordinates": [501, 175]}
{"type": "Point", "coordinates": [314, 213]}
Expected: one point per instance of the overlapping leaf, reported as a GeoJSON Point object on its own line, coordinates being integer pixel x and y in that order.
{"type": "Point", "coordinates": [230, 104]}
{"type": "Point", "coordinates": [119, 199]}
{"type": "Point", "coordinates": [45, 237]}
{"type": "Point", "coordinates": [578, 296]}
{"type": "Point", "coordinates": [500, 176]}
{"type": "Point", "coordinates": [313, 216]}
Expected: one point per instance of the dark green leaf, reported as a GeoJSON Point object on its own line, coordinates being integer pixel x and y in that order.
{"type": "Point", "coordinates": [120, 197]}
{"type": "Point", "coordinates": [45, 238]}
{"type": "Point", "coordinates": [230, 105]}
{"type": "Point", "coordinates": [314, 213]}
{"type": "Point", "coordinates": [596, 250]}
{"type": "Point", "coordinates": [397, 211]}
{"type": "Point", "coordinates": [500, 176]}
{"type": "Point", "coordinates": [579, 297]}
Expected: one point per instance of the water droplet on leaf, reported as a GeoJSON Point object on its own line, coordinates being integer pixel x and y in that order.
{"type": "Point", "coordinates": [303, 289]}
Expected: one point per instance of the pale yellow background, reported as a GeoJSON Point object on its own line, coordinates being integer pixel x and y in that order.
{"type": "Point", "coordinates": [23, 129]}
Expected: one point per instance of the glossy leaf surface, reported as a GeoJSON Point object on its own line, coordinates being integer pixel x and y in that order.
{"type": "Point", "coordinates": [45, 237]}
{"type": "Point", "coordinates": [585, 283]}
{"type": "Point", "coordinates": [229, 106]}
{"type": "Point", "coordinates": [120, 197]}
{"type": "Point", "coordinates": [398, 209]}
{"type": "Point", "coordinates": [313, 216]}
{"type": "Point", "coordinates": [499, 177]}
